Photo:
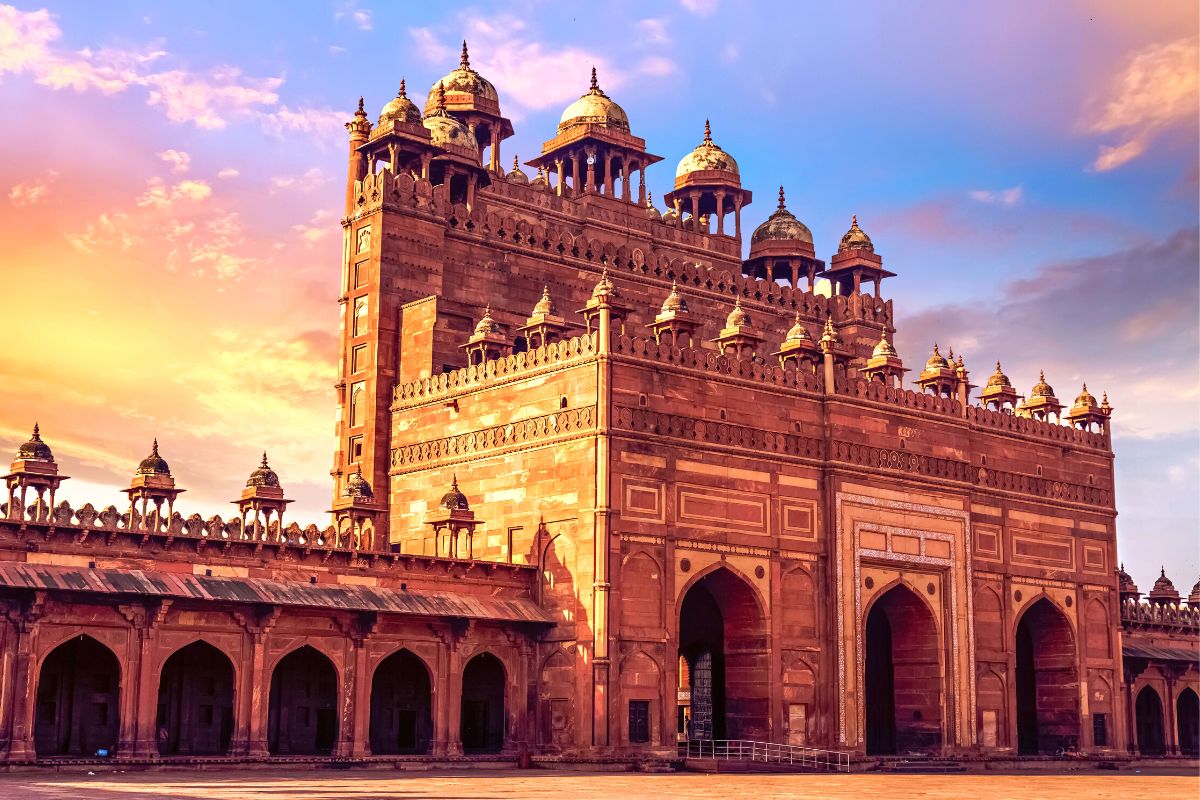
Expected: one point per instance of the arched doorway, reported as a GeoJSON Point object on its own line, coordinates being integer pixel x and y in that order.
{"type": "Point", "coordinates": [481, 726]}
{"type": "Point", "coordinates": [78, 700]}
{"type": "Point", "coordinates": [1047, 684]}
{"type": "Point", "coordinates": [401, 706]}
{"type": "Point", "coordinates": [902, 675]}
{"type": "Point", "coordinates": [302, 715]}
{"type": "Point", "coordinates": [723, 639]}
{"type": "Point", "coordinates": [1187, 716]}
{"type": "Point", "coordinates": [195, 702]}
{"type": "Point", "coordinates": [1148, 712]}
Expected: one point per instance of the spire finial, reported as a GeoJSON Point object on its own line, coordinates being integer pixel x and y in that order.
{"type": "Point", "coordinates": [154, 447]}
{"type": "Point", "coordinates": [595, 84]}
{"type": "Point", "coordinates": [360, 106]}
{"type": "Point", "coordinates": [707, 132]}
{"type": "Point", "coordinates": [649, 199]}
{"type": "Point", "coordinates": [402, 90]}
{"type": "Point", "coordinates": [441, 100]}
{"type": "Point", "coordinates": [465, 61]}
{"type": "Point", "coordinates": [854, 220]}
{"type": "Point", "coordinates": [516, 162]}
{"type": "Point", "coordinates": [781, 205]}
{"type": "Point", "coordinates": [935, 349]}
{"type": "Point", "coordinates": [37, 436]}
{"type": "Point", "coordinates": [264, 461]}
{"type": "Point", "coordinates": [1042, 375]}
{"type": "Point", "coordinates": [454, 481]}
{"type": "Point", "coordinates": [1085, 386]}
{"type": "Point", "coordinates": [997, 365]}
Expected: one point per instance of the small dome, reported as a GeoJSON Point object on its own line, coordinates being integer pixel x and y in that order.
{"type": "Point", "coordinates": [445, 130]}
{"type": "Point", "coordinates": [674, 304]}
{"type": "Point", "coordinates": [1163, 584]}
{"type": "Point", "coordinates": [738, 318]}
{"type": "Point", "coordinates": [546, 304]}
{"type": "Point", "coordinates": [999, 378]}
{"type": "Point", "coordinates": [264, 475]}
{"type": "Point", "coordinates": [540, 181]}
{"type": "Point", "coordinates": [797, 333]}
{"type": "Point", "coordinates": [1041, 388]}
{"type": "Point", "coordinates": [829, 334]}
{"type": "Point", "coordinates": [936, 361]}
{"type": "Point", "coordinates": [651, 211]}
{"type": "Point", "coordinates": [855, 238]}
{"type": "Point", "coordinates": [884, 349]}
{"type": "Point", "coordinates": [515, 175]}
{"type": "Point", "coordinates": [153, 464]}
{"type": "Point", "coordinates": [1125, 584]}
{"type": "Point", "coordinates": [486, 324]}
{"type": "Point", "coordinates": [594, 108]}
{"type": "Point", "coordinates": [465, 80]}
{"type": "Point", "coordinates": [357, 486]}
{"type": "Point", "coordinates": [454, 500]}
{"type": "Point", "coordinates": [1194, 596]}
{"type": "Point", "coordinates": [707, 157]}
{"type": "Point", "coordinates": [35, 449]}
{"type": "Point", "coordinates": [782, 225]}
{"type": "Point", "coordinates": [605, 288]}
{"type": "Point", "coordinates": [400, 109]}
{"type": "Point", "coordinates": [1085, 399]}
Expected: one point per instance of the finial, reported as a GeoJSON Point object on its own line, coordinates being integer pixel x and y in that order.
{"type": "Point", "coordinates": [454, 478]}
{"type": "Point", "coordinates": [402, 94]}
{"type": "Point", "coordinates": [154, 447]}
{"type": "Point", "coordinates": [595, 85]}
{"type": "Point", "coordinates": [1042, 375]}
{"type": "Point", "coordinates": [1162, 572]}
{"type": "Point", "coordinates": [546, 292]}
{"type": "Point", "coordinates": [37, 437]}
{"type": "Point", "coordinates": [360, 106]}
{"type": "Point", "coordinates": [516, 162]}
{"type": "Point", "coordinates": [1085, 386]}
{"type": "Point", "coordinates": [441, 100]}
{"type": "Point", "coordinates": [960, 360]}
{"type": "Point", "coordinates": [264, 461]}
{"type": "Point", "coordinates": [998, 366]}
{"type": "Point", "coordinates": [854, 220]}
{"type": "Point", "coordinates": [707, 132]}
{"type": "Point", "coordinates": [465, 61]}
{"type": "Point", "coordinates": [487, 310]}
{"type": "Point", "coordinates": [737, 303]}
{"type": "Point", "coordinates": [781, 206]}
{"type": "Point", "coordinates": [935, 349]}
{"type": "Point", "coordinates": [649, 200]}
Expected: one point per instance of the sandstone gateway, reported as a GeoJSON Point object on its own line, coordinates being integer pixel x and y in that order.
{"type": "Point", "coordinates": [601, 484]}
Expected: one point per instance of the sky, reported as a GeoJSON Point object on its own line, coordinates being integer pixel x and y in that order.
{"type": "Point", "coordinates": [171, 175]}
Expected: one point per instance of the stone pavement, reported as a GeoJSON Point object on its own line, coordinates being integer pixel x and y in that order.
{"type": "Point", "coordinates": [325, 785]}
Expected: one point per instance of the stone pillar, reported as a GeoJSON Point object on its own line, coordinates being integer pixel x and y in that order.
{"type": "Point", "coordinates": [495, 159]}
{"type": "Point", "coordinates": [641, 185]}
{"type": "Point", "coordinates": [558, 163]}
{"type": "Point", "coordinates": [695, 198]}
{"type": "Point", "coordinates": [575, 173]}
{"type": "Point", "coordinates": [24, 681]}
{"type": "Point", "coordinates": [608, 176]}
{"type": "Point", "coordinates": [737, 216]}
{"type": "Point", "coordinates": [452, 692]}
{"type": "Point", "coordinates": [601, 585]}
{"type": "Point", "coordinates": [720, 213]}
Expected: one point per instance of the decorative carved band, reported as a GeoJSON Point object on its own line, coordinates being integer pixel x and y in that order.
{"type": "Point", "coordinates": [708, 431]}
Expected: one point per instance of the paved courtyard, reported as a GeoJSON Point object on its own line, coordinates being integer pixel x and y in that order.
{"type": "Point", "coordinates": [272, 785]}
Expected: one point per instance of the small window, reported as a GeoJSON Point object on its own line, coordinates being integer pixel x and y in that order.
{"type": "Point", "coordinates": [358, 358]}
{"type": "Point", "coordinates": [358, 403]}
{"type": "Point", "coordinates": [1099, 730]}
{"type": "Point", "coordinates": [361, 270]}
{"type": "Point", "coordinates": [360, 316]}
{"type": "Point", "coordinates": [355, 449]}
{"type": "Point", "coordinates": [562, 402]}
{"type": "Point", "coordinates": [639, 721]}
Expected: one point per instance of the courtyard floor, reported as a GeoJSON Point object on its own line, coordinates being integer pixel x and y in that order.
{"type": "Point", "coordinates": [323, 785]}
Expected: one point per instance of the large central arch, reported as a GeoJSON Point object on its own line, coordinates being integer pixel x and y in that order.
{"type": "Point", "coordinates": [723, 638]}
{"type": "Point", "coordinates": [401, 706]}
{"type": "Point", "coordinates": [903, 675]}
{"type": "Point", "coordinates": [1047, 683]}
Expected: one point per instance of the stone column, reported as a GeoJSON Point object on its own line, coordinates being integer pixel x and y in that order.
{"type": "Point", "coordinates": [737, 215]}
{"type": "Point", "coordinates": [24, 681]}
{"type": "Point", "coordinates": [495, 159]}
{"type": "Point", "coordinates": [601, 585]}
{"type": "Point", "coordinates": [575, 173]}
{"type": "Point", "coordinates": [641, 185]}
{"type": "Point", "coordinates": [720, 213]}
{"type": "Point", "coordinates": [558, 163]}
{"type": "Point", "coordinates": [608, 176]}
{"type": "Point", "coordinates": [695, 197]}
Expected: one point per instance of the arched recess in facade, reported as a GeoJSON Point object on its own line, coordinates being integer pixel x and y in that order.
{"type": "Point", "coordinates": [902, 680]}
{"type": "Point", "coordinates": [1187, 719]}
{"type": "Point", "coordinates": [1047, 681]}
{"type": "Point", "coordinates": [78, 700]}
{"type": "Point", "coordinates": [401, 706]}
{"type": "Point", "coordinates": [195, 702]}
{"type": "Point", "coordinates": [481, 725]}
{"type": "Point", "coordinates": [302, 714]}
{"type": "Point", "coordinates": [723, 639]}
{"type": "Point", "coordinates": [1148, 716]}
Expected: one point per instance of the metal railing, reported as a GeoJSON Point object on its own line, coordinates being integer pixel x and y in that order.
{"type": "Point", "coordinates": [766, 753]}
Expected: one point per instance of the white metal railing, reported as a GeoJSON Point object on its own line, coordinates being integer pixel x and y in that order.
{"type": "Point", "coordinates": [767, 753]}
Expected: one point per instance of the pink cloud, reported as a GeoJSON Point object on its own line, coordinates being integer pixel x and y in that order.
{"type": "Point", "coordinates": [33, 191]}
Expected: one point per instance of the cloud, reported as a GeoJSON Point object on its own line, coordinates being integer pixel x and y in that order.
{"type": "Point", "coordinates": [179, 161]}
{"type": "Point", "coordinates": [363, 19]}
{"type": "Point", "coordinates": [228, 172]}
{"type": "Point", "coordinates": [730, 53]}
{"type": "Point", "coordinates": [321, 122]}
{"type": "Point", "coordinates": [33, 191]}
{"type": "Point", "coordinates": [318, 228]}
{"type": "Point", "coordinates": [1157, 88]}
{"type": "Point", "coordinates": [653, 31]}
{"type": "Point", "coordinates": [701, 7]}
{"type": "Point", "coordinates": [998, 197]}
{"type": "Point", "coordinates": [160, 195]}
{"type": "Point", "coordinates": [310, 179]}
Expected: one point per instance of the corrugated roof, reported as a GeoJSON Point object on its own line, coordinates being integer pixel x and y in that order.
{"type": "Point", "coordinates": [1161, 653]}
{"type": "Point", "coordinates": [19, 575]}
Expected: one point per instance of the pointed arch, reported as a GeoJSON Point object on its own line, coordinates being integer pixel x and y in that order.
{"type": "Point", "coordinates": [483, 726]}
{"type": "Point", "coordinates": [196, 701]}
{"type": "Point", "coordinates": [557, 688]}
{"type": "Point", "coordinates": [302, 710]}
{"type": "Point", "coordinates": [77, 701]}
{"type": "Point", "coordinates": [1187, 721]}
{"type": "Point", "coordinates": [1046, 683]}
{"type": "Point", "coordinates": [401, 705]}
{"type": "Point", "coordinates": [1148, 714]}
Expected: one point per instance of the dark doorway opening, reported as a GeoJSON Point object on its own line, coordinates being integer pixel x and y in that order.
{"type": "Point", "coordinates": [482, 721]}
{"type": "Point", "coordinates": [302, 715]}
{"type": "Point", "coordinates": [195, 702]}
{"type": "Point", "coordinates": [78, 700]}
{"type": "Point", "coordinates": [723, 640]}
{"type": "Point", "coordinates": [1047, 686]}
{"type": "Point", "coordinates": [1187, 715]}
{"type": "Point", "coordinates": [401, 706]}
{"type": "Point", "coordinates": [902, 676]}
{"type": "Point", "coordinates": [1149, 713]}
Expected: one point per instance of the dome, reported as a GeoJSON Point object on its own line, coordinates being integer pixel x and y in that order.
{"type": "Point", "coordinates": [454, 500]}
{"type": "Point", "coordinates": [400, 109]}
{"type": "Point", "coordinates": [263, 476]}
{"type": "Point", "coordinates": [1163, 584]}
{"type": "Point", "coordinates": [539, 181]}
{"type": "Point", "coordinates": [1041, 388]}
{"type": "Point", "coordinates": [855, 238]}
{"type": "Point", "coordinates": [782, 225]}
{"type": "Point", "coordinates": [357, 486]}
{"type": "Point", "coordinates": [446, 131]}
{"type": "Point", "coordinates": [546, 304]}
{"type": "Point", "coordinates": [797, 333]}
{"type": "Point", "coordinates": [884, 349]}
{"type": "Point", "coordinates": [486, 324]}
{"type": "Point", "coordinates": [35, 449]}
{"type": "Point", "coordinates": [999, 378]}
{"type": "Point", "coordinates": [674, 304]}
{"type": "Point", "coordinates": [153, 464]}
{"type": "Point", "coordinates": [466, 81]}
{"type": "Point", "coordinates": [936, 361]}
{"type": "Point", "coordinates": [1085, 399]}
{"type": "Point", "coordinates": [651, 211]}
{"type": "Point", "coordinates": [516, 175]}
{"type": "Point", "coordinates": [594, 108]}
{"type": "Point", "coordinates": [738, 318]}
{"type": "Point", "coordinates": [1194, 596]}
{"type": "Point", "coordinates": [605, 288]}
{"type": "Point", "coordinates": [1125, 583]}
{"type": "Point", "coordinates": [706, 157]}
